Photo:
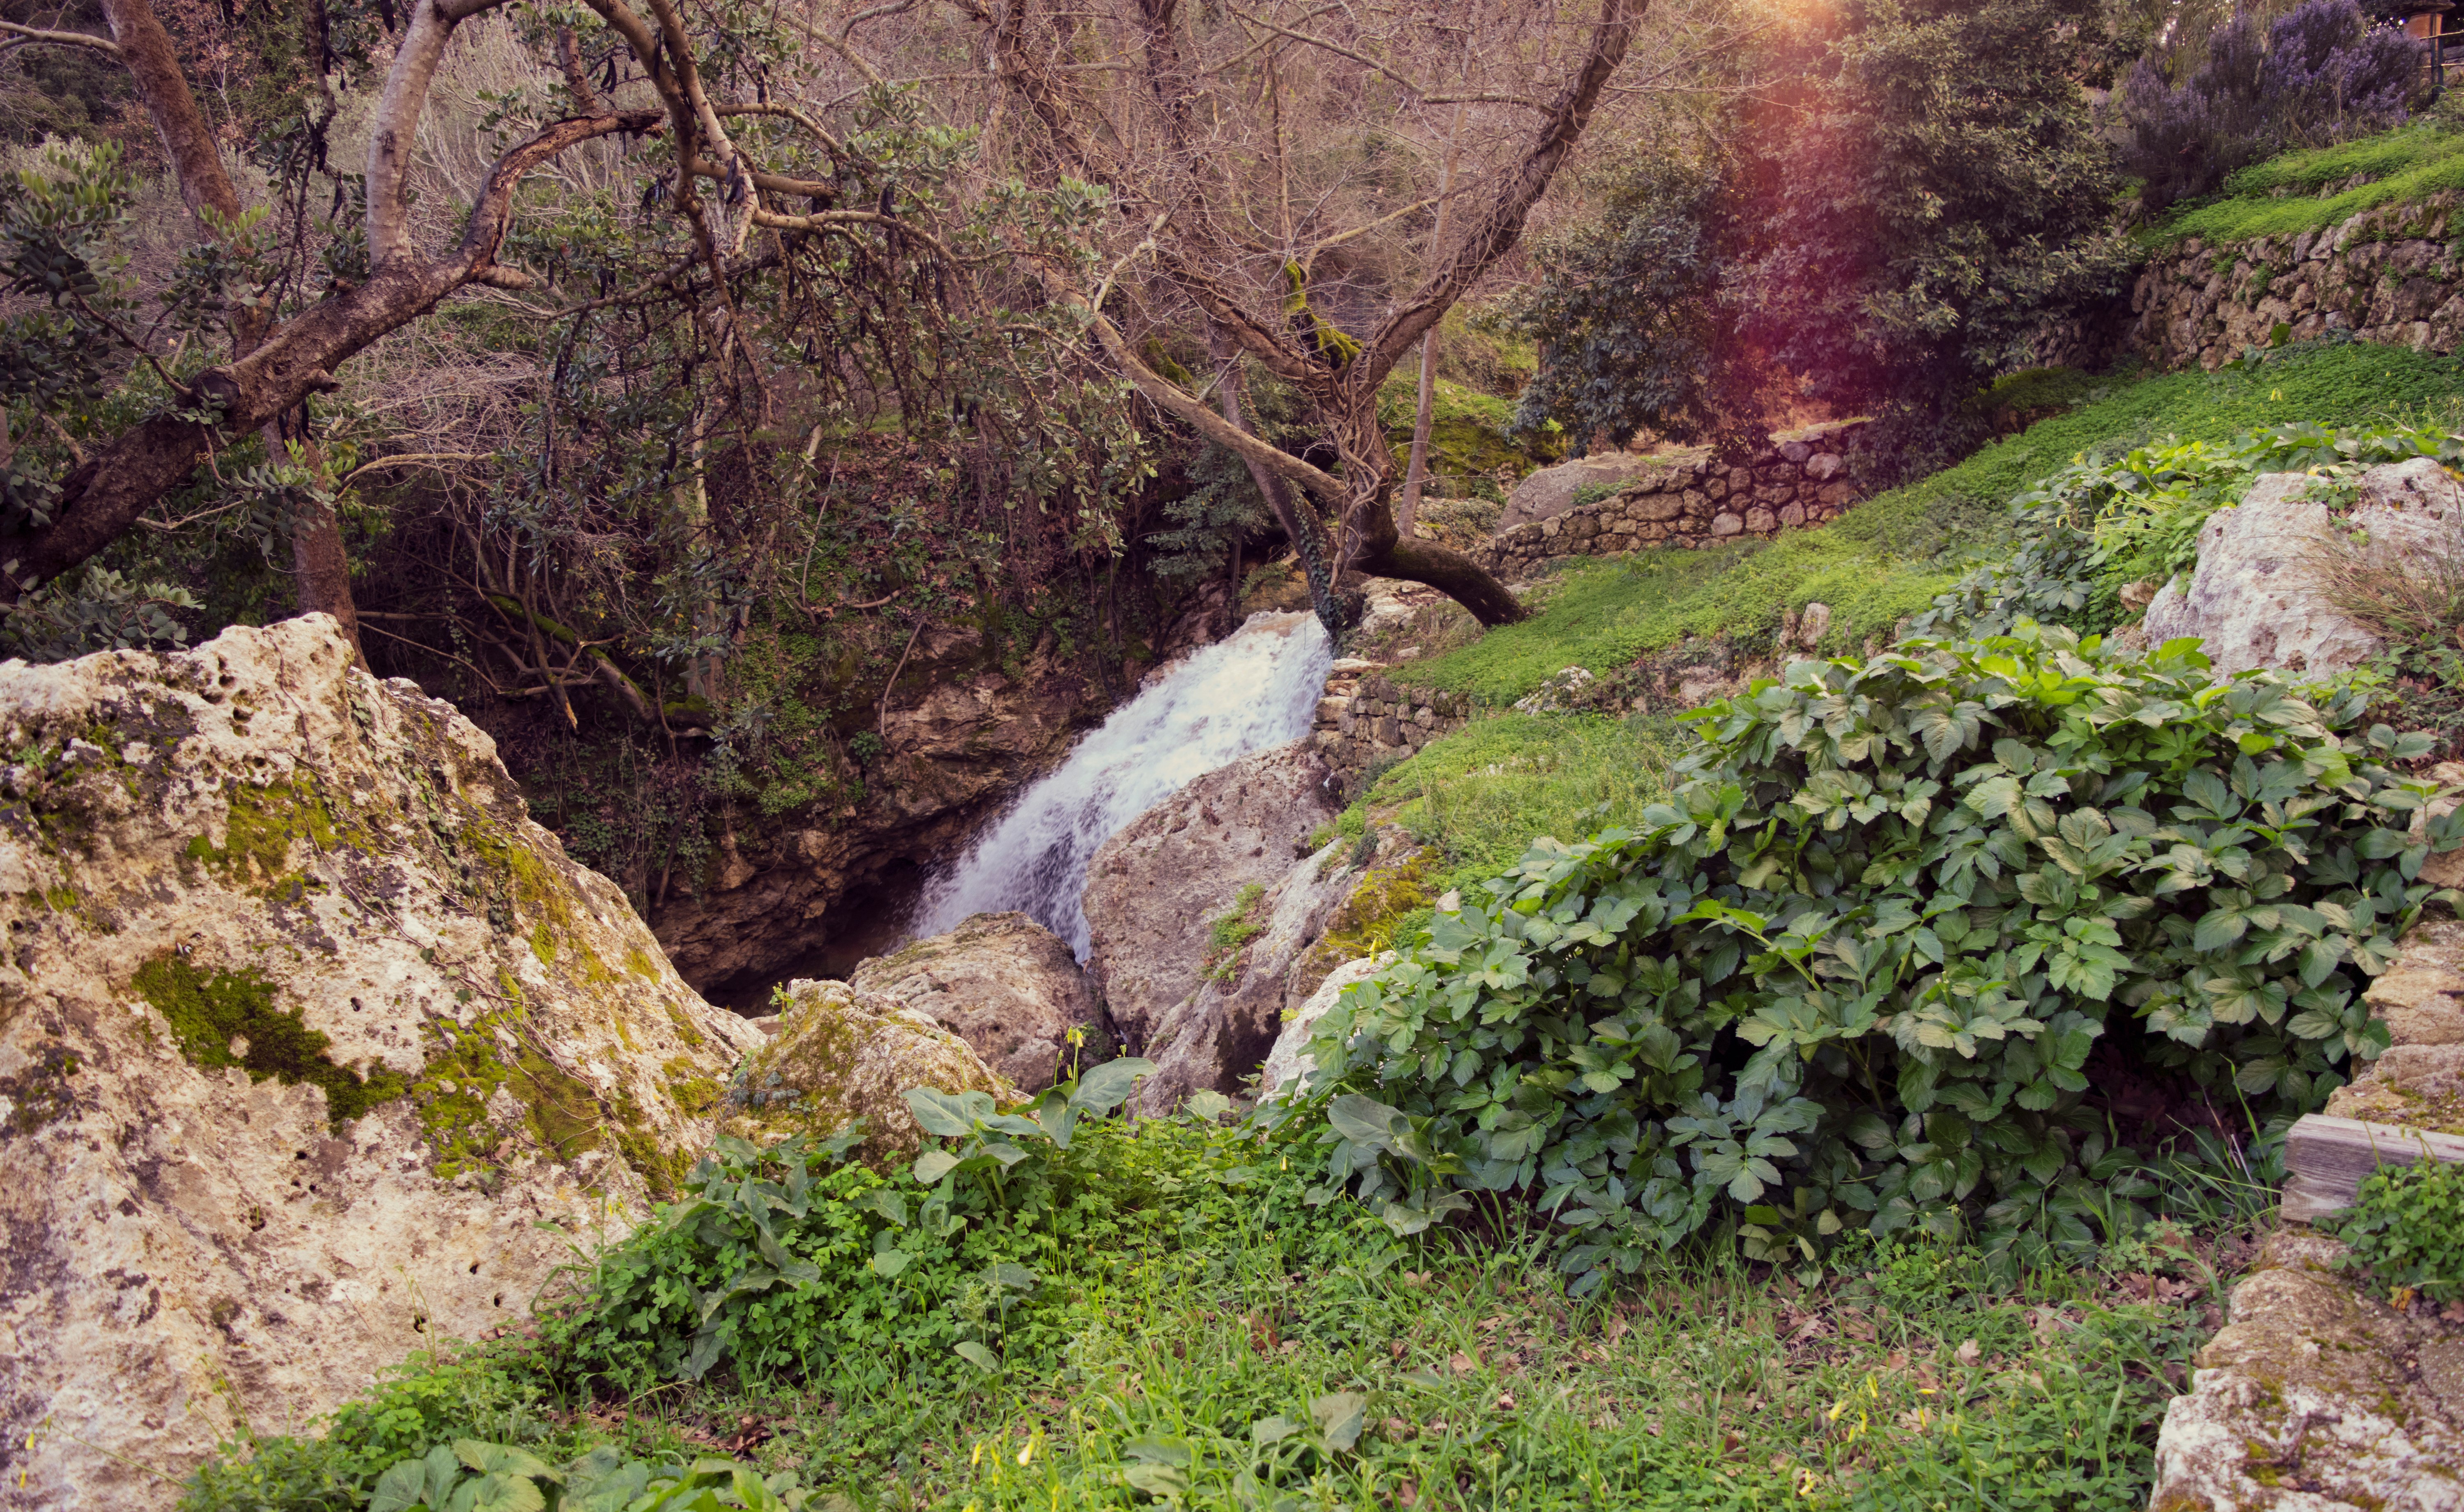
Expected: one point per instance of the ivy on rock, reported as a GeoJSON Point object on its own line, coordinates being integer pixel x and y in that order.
{"type": "Point", "coordinates": [1851, 973]}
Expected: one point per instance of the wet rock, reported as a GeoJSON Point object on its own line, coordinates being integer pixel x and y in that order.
{"type": "Point", "coordinates": [305, 1031]}
{"type": "Point", "coordinates": [811, 898]}
{"type": "Point", "coordinates": [1217, 1037]}
{"type": "Point", "coordinates": [840, 1056]}
{"type": "Point", "coordinates": [1155, 889]}
{"type": "Point", "coordinates": [1004, 983]}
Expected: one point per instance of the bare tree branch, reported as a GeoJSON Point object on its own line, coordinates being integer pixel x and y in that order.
{"type": "Point", "coordinates": [83, 40]}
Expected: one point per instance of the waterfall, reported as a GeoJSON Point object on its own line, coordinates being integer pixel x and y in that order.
{"type": "Point", "coordinates": [1257, 689]}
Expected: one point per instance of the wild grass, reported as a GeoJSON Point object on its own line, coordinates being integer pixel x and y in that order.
{"type": "Point", "coordinates": [1482, 794]}
{"type": "Point", "coordinates": [2280, 196]}
{"type": "Point", "coordinates": [1898, 1379]}
{"type": "Point", "coordinates": [1888, 556]}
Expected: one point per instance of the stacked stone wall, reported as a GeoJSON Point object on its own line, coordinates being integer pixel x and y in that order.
{"type": "Point", "coordinates": [1696, 501]}
{"type": "Point", "coordinates": [2390, 275]}
{"type": "Point", "coordinates": [1367, 721]}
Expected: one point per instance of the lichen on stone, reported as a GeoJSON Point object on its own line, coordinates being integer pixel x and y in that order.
{"type": "Point", "coordinates": [838, 1056]}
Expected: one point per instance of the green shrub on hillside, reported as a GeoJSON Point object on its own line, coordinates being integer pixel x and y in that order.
{"type": "Point", "coordinates": [1482, 793]}
{"type": "Point", "coordinates": [2406, 1227]}
{"type": "Point", "coordinates": [1850, 974]}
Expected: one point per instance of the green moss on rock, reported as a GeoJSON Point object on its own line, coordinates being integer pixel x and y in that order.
{"type": "Point", "coordinates": [228, 1019]}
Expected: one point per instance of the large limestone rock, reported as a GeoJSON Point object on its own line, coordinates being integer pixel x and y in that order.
{"type": "Point", "coordinates": [304, 1028]}
{"type": "Point", "coordinates": [1218, 1036]}
{"type": "Point", "coordinates": [2317, 1398]}
{"type": "Point", "coordinates": [1155, 889]}
{"type": "Point", "coordinates": [1550, 491]}
{"type": "Point", "coordinates": [1004, 983]}
{"type": "Point", "coordinates": [837, 1055]}
{"type": "Point", "coordinates": [2257, 596]}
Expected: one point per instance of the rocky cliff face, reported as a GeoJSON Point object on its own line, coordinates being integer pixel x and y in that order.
{"type": "Point", "coordinates": [305, 1026]}
{"type": "Point", "coordinates": [815, 899]}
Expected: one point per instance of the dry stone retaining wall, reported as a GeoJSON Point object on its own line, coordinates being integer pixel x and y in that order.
{"type": "Point", "coordinates": [2390, 275]}
{"type": "Point", "coordinates": [1801, 479]}
{"type": "Point", "coordinates": [1366, 721]}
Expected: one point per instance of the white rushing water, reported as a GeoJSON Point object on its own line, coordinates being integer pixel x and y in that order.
{"type": "Point", "coordinates": [1254, 689]}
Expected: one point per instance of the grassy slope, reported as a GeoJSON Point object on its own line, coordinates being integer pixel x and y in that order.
{"type": "Point", "coordinates": [1897, 1380]}
{"type": "Point", "coordinates": [2409, 163]}
{"type": "Point", "coordinates": [1888, 556]}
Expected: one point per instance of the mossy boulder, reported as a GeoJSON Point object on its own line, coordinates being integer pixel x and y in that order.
{"type": "Point", "coordinates": [2317, 1397]}
{"type": "Point", "coordinates": [1007, 986]}
{"type": "Point", "coordinates": [838, 1055]}
{"type": "Point", "coordinates": [313, 1051]}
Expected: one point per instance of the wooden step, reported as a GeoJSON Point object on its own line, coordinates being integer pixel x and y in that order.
{"type": "Point", "coordinates": [2325, 1159]}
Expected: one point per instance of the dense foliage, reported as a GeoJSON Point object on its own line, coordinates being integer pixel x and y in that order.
{"type": "Point", "coordinates": [2406, 1227]}
{"type": "Point", "coordinates": [1852, 973]}
{"type": "Point", "coordinates": [788, 1260]}
{"type": "Point", "coordinates": [1628, 315]}
{"type": "Point", "coordinates": [1917, 194]}
{"type": "Point", "coordinates": [2324, 74]}
{"type": "Point", "coordinates": [468, 1475]}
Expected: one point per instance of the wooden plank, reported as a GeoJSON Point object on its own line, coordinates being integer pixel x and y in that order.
{"type": "Point", "coordinates": [2325, 1159]}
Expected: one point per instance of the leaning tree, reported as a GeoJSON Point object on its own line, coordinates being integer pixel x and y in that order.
{"type": "Point", "coordinates": [1178, 113]}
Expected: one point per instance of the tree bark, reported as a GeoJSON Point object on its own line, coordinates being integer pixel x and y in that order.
{"type": "Point", "coordinates": [1343, 396]}
{"type": "Point", "coordinates": [1298, 520]}
{"type": "Point", "coordinates": [121, 479]}
{"type": "Point", "coordinates": [1415, 470]}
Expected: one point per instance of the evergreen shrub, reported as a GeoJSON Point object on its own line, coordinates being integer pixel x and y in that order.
{"type": "Point", "coordinates": [1851, 973]}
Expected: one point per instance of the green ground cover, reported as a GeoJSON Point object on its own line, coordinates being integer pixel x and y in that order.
{"type": "Point", "coordinates": [1244, 1350]}
{"type": "Point", "coordinates": [1888, 558]}
{"type": "Point", "coordinates": [1481, 793]}
{"type": "Point", "coordinates": [2280, 197]}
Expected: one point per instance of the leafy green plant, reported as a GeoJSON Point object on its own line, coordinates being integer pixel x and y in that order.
{"type": "Point", "coordinates": [468, 1475]}
{"type": "Point", "coordinates": [2406, 1227]}
{"type": "Point", "coordinates": [783, 1257]}
{"type": "Point", "coordinates": [1234, 928]}
{"type": "Point", "coordinates": [1850, 973]}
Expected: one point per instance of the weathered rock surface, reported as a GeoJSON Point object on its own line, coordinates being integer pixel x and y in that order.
{"type": "Point", "coordinates": [2316, 1398]}
{"type": "Point", "coordinates": [963, 736]}
{"type": "Point", "coordinates": [2257, 596]}
{"type": "Point", "coordinates": [305, 1026]}
{"type": "Point", "coordinates": [2319, 1396]}
{"type": "Point", "coordinates": [1217, 1037]}
{"type": "Point", "coordinates": [1550, 491]}
{"type": "Point", "coordinates": [837, 1055]}
{"type": "Point", "coordinates": [1288, 1062]}
{"type": "Point", "coordinates": [2385, 275]}
{"type": "Point", "coordinates": [1004, 983]}
{"type": "Point", "coordinates": [1684, 499]}
{"type": "Point", "coordinates": [1155, 889]}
